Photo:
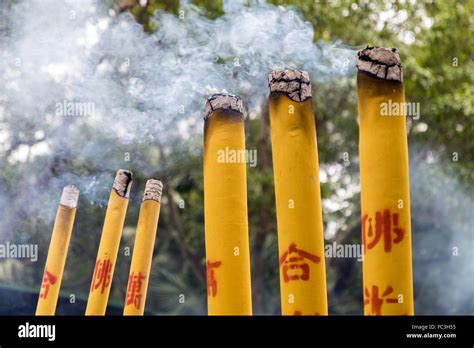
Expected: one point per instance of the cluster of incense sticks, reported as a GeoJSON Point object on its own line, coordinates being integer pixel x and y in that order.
{"type": "Point", "coordinates": [384, 195]}
{"type": "Point", "coordinates": [107, 255]}
{"type": "Point", "coordinates": [298, 201]}
{"type": "Point", "coordinates": [385, 205]}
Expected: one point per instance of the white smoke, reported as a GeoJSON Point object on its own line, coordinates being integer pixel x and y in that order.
{"type": "Point", "coordinates": [143, 88]}
{"type": "Point", "coordinates": [443, 240]}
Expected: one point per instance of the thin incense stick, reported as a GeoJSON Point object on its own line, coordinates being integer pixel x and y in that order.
{"type": "Point", "coordinates": [109, 244]}
{"type": "Point", "coordinates": [57, 253]}
{"type": "Point", "coordinates": [143, 249]}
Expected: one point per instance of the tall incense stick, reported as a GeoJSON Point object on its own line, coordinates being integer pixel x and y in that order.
{"type": "Point", "coordinates": [385, 193]}
{"type": "Point", "coordinates": [225, 209]}
{"type": "Point", "coordinates": [297, 192]}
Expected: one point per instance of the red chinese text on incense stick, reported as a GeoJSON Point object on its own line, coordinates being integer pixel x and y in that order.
{"type": "Point", "coordinates": [383, 227]}
{"type": "Point", "coordinates": [134, 290]}
{"type": "Point", "coordinates": [102, 275]}
{"type": "Point", "coordinates": [211, 278]}
{"type": "Point", "coordinates": [375, 301]}
{"type": "Point", "coordinates": [48, 280]}
{"type": "Point", "coordinates": [291, 263]}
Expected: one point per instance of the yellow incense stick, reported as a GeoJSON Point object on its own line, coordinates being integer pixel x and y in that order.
{"type": "Point", "coordinates": [57, 253]}
{"type": "Point", "coordinates": [109, 244]}
{"type": "Point", "coordinates": [225, 208]}
{"type": "Point", "coordinates": [297, 192]}
{"type": "Point", "coordinates": [385, 194]}
{"type": "Point", "coordinates": [143, 249]}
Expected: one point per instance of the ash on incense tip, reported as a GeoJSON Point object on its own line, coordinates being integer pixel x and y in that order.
{"type": "Point", "coordinates": [380, 62]}
{"type": "Point", "coordinates": [153, 190]}
{"type": "Point", "coordinates": [70, 196]}
{"type": "Point", "coordinates": [223, 101]}
{"type": "Point", "coordinates": [122, 182]}
{"type": "Point", "coordinates": [294, 83]}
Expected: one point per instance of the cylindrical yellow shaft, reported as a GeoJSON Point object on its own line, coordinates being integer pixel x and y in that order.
{"type": "Point", "coordinates": [225, 208]}
{"type": "Point", "coordinates": [143, 249]}
{"type": "Point", "coordinates": [57, 253]}
{"type": "Point", "coordinates": [385, 195]}
{"type": "Point", "coordinates": [109, 244]}
{"type": "Point", "coordinates": [298, 197]}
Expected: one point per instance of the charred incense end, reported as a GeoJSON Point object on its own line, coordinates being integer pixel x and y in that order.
{"type": "Point", "coordinates": [153, 190]}
{"type": "Point", "coordinates": [224, 102]}
{"type": "Point", "coordinates": [294, 83]}
{"type": "Point", "coordinates": [69, 196]}
{"type": "Point", "coordinates": [122, 182]}
{"type": "Point", "coordinates": [383, 63]}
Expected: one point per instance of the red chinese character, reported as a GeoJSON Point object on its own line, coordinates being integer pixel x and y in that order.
{"type": "Point", "coordinates": [48, 279]}
{"type": "Point", "coordinates": [291, 264]}
{"type": "Point", "coordinates": [211, 279]}
{"type": "Point", "coordinates": [134, 289]}
{"type": "Point", "coordinates": [383, 227]}
{"type": "Point", "coordinates": [376, 302]}
{"type": "Point", "coordinates": [101, 275]}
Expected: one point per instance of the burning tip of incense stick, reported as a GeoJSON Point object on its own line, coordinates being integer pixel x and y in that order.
{"type": "Point", "coordinates": [383, 63]}
{"type": "Point", "coordinates": [294, 83]}
{"type": "Point", "coordinates": [122, 182]}
{"type": "Point", "coordinates": [223, 101]}
{"type": "Point", "coordinates": [69, 196]}
{"type": "Point", "coordinates": [153, 190]}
